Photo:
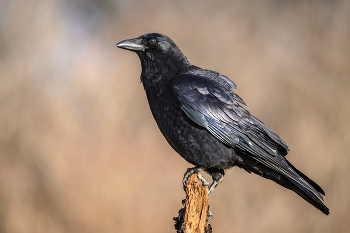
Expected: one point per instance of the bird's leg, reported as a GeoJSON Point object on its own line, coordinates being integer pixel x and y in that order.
{"type": "Point", "coordinates": [217, 179]}
{"type": "Point", "coordinates": [199, 176]}
{"type": "Point", "coordinates": [204, 181]}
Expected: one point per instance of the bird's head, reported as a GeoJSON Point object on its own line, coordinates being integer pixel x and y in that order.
{"type": "Point", "coordinates": [156, 51]}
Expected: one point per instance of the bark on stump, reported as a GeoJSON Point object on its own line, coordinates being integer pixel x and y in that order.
{"type": "Point", "coordinates": [193, 219]}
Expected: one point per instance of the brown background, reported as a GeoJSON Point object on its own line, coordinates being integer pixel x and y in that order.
{"type": "Point", "coordinates": [80, 151]}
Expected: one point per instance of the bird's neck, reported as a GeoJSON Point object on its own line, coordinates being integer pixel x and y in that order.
{"type": "Point", "coordinates": [156, 75]}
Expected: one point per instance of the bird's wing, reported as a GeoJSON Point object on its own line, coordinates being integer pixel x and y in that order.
{"type": "Point", "coordinates": [207, 98]}
{"type": "Point", "coordinates": [210, 94]}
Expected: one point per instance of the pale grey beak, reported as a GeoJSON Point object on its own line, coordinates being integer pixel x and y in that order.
{"type": "Point", "coordinates": [132, 45]}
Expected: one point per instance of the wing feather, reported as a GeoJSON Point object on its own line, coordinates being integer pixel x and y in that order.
{"type": "Point", "coordinates": [207, 99]}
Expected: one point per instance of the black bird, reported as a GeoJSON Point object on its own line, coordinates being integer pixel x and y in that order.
{"type": "Point", "coordinates": [202, 119]}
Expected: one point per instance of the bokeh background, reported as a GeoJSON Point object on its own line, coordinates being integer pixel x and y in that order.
{"type": "Point", "coordinates": [80, 151]}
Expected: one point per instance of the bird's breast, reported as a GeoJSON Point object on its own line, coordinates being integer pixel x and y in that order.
{"type": "Point", "coordinates": [191, 141]}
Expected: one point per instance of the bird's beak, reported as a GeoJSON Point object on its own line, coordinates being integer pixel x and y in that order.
{"type": "Point", "coordinates": [132, 45]}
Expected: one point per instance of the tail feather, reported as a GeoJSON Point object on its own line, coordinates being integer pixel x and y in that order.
{"type": "Point", "coordinates": [251, 165]}
{"type": "Point", "coordinates": [316, 186]}
{"type": "Point", "coordinates": [309, 196]}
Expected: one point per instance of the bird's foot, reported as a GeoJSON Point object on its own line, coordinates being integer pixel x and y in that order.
{"type": "Point", "coordinates": [199, 176]}
{"type": "Point", "coordinates": [212, 186]}
{"type": "Point", "coordinates": [204, 181]}
{"type": "Point", "coordinates": [215, 184]}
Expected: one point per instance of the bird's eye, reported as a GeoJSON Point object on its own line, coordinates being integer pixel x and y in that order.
{"type": "Point", "coordinates": [152, 41]}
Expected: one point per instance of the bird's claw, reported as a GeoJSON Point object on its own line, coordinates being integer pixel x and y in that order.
{"type": "Point", "coordinates": [188, 172]}
{"type": "Point", "coordinates": [204, 181]}
{"type": "Point", "coordinates": [199, 176]}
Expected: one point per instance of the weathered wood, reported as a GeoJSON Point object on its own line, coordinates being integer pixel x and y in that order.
{"type": "Point", "coordinates": [194, 217]}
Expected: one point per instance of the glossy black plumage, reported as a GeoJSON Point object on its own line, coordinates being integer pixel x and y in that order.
{"type": "Point", "coordinates": [202, 119]}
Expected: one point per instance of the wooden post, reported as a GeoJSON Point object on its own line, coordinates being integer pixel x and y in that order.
{"type": "Point", "coordinates": [193, 219]}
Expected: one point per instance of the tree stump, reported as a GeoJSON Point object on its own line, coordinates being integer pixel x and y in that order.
{"type": "Point", "coordinates": [193, 218]}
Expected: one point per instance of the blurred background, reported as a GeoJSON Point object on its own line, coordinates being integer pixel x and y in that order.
{"type": "Point", "coordinates": [80, 151]}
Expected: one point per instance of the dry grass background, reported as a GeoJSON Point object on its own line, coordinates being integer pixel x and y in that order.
{"type": "Point", "coordinates": [80, 151]}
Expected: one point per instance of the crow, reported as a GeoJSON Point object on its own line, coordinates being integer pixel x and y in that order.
{"type": "Point", "coordinates": [203, 120]}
